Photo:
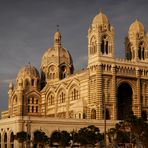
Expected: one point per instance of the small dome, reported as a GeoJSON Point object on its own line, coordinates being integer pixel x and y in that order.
{"type": "Point", "coordinates": [100, 19]}
{"type": "Point", "coordinates": [28, 70]}
{"type": "Point", "coordinates": [136, 27]}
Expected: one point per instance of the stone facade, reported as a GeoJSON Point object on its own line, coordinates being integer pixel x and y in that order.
{"type": "Point", "coordinates": [62, 99]}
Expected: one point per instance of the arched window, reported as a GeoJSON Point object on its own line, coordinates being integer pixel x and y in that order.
{"type": "Point", "coordinates": [63, 72]}
{"type": "Point", "coordinates": [93, 114]}
{"type": "Point", "coordinates": [62, 98]}
{"type": "Point", "coordinates": [93, 45]}
{"type": "Point", "coordinates": [12, 140]}
{"type": "Point", "coordinates": [141, 51]}
{"type": "Point", "coordinates": [74, 94]}
{"type": "Point", "coordinates": [51, 72]}
{"type": "Point", "coordinates": [105, 45]}
{"type": "Point", "coordinates": [51, 99]}
{"type": "Point", "coordinates": [79, 115]}
{"type": "Point", "coordinates": [33, 104]}
{"type": "Point", "coordinates": [5, 140]}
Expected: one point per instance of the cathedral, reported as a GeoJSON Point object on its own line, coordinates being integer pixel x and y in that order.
{"type": "Point", "coordinates": [59, 98]}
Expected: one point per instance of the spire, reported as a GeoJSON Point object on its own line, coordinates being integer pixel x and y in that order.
{"type": "Point", "coordinates": [58, 26]}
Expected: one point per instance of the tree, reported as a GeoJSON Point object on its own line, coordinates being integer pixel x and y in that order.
{"type": "Point", "coordinates": [74, 138]}
{"type": "Point", "coordinates": [65, 139]}
{"type": "Point", "coordinates": [62, 138]}
{"type": "Point", "coordinates": [40, 138]}
{"type": "Point", "coordinates": [132, 130]}
{"type": "Point", "coordinates": [55, 137]}
{"type": "Point", "coordinates": [22, 137]}
{"type": "Point", "coordinates": [89, 135]}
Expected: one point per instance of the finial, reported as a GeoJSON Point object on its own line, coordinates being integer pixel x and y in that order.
{"type": "Point", "coordinates": [136, 19]}
{"type": "Point", "coordinates": [101, 11]}
{"type": "Point", "coordinates": [58, 28]}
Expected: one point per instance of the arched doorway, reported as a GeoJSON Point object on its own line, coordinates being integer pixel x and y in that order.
{"type": "Point", "coordinates": [124, 101]}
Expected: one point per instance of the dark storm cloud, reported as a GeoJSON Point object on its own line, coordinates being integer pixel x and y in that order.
{"type": "Point", "coordinates": [27, 28]}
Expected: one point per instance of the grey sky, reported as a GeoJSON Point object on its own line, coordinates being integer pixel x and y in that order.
{"type": "Point", "coordinates": [27, 28]}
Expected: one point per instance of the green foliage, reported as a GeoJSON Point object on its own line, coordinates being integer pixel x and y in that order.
{"type": "Point", "coordinates": [22, 136]}
{"type": "Point", "coordinates": [133, 130]}
{"type": "Point", "coordinates": [40, 138]}
{"type": "Point", "coordinates": [85, 136]}
{"type": "Point", "coordinates": [61, 137]}
{"type": "Point", "coordinates": [89, 135]}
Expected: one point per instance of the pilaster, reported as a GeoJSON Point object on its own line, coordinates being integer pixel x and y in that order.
{"type": "Point", "coordinates": [113, 93]}
{"type": "Point", "coordinates": [99, 93]}
{"type": "Point", "coordinates": [88, 107]}
{"type": "Point", "coordinates": [138, 102]}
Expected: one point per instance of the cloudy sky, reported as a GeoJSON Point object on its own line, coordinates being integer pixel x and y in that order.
{"type": "Point", "coordinates": [27, 28]}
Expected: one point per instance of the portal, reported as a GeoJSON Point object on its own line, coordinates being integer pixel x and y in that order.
{"type": "Point", "coordinates": [124, 103]}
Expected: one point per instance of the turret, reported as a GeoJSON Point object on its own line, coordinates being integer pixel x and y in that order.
{"type": "Point", "coordinates": [100, 40]}
{"type": "Point", "coordinates": [136, 44]}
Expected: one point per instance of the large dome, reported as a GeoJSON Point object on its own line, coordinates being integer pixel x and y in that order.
{"type": "Point", "coordinates": [136, 27]}
{"type": "Point", "coordinates": [57, 54]}
{"type": "Point", "coordinates": [50, 56]}
{"type": "Point", "coordinates": [100, 19]}
{"type": "Point", "coordinates": [28, 70]}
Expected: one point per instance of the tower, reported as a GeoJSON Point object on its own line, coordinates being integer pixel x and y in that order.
{"type": "Point", "coordinates": [100, 40]}
{"type": "Point", "coordinates": [24, 98]}
{"type": "Point", "coordinates": [56, 63]}
{"type": "Point", "coordinates": [136, 44]}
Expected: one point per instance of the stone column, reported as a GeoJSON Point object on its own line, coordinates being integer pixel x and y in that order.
{"type": "Point", "coordinates": [99, 93]}
{"type": "Point", "coordinates": [113, 93]}
{"type": "Point", "coordinates": [2, 140]}
{"type": "Point", "coordinates": [8, 140]}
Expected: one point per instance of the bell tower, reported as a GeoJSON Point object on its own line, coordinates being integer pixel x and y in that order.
{"type": "Point", "coordinates": [100, 40]}
{"type": "Point", "coordinates": [136, 44]}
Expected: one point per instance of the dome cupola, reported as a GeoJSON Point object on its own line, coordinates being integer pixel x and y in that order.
{"type": "Point", "coordinates": [28, 70]}
{"type": "Point", "coordinates": [136, 27]}
{"type": "Point", "coordinates": [28, 76]}
{"type": "Point", "coordinates": [56, 60]}
{"type": "Point", "coordinates": [100, 20]}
